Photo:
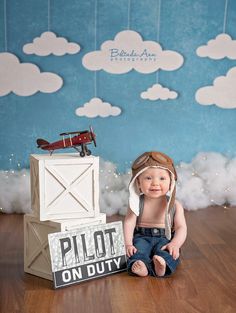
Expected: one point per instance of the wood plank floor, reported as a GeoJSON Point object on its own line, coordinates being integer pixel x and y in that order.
{"type": "Point", "coordinates": [204, 282]}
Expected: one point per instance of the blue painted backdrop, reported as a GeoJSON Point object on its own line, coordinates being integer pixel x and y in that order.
{"type": "Point", "coordinates": [179, 127]}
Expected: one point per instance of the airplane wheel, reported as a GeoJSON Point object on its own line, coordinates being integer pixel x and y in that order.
{"type": "Point", "coordinates": [82, 154]}
{"type": "Point", "coordinates": [88, 152]}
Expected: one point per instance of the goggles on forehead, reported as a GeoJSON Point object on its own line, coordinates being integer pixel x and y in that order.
{"type": "Point", "coordinates": [160, 158]}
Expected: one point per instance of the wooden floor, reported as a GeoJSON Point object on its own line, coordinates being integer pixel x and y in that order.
{"type": "Point", "coordinates": [204, 282]}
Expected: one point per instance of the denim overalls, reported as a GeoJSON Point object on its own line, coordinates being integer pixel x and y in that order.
{"type": "Point", "coordinates": [148, 242]}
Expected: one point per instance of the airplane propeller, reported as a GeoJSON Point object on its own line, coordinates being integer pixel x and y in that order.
{"type": "Point", "coordinates": [93, 136]}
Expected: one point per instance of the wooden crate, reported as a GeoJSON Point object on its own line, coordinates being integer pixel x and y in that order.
{"type": "Point", "coordinates": [64, 186]}
{"type": "Point", "coordinates": [36, 250]}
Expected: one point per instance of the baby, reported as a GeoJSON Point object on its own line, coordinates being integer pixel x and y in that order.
{"type": "Point", "coordinates": [155, 226]}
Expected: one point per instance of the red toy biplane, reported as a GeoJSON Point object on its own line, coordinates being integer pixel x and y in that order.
{"type": "Point", "coordinates": [81, 139]}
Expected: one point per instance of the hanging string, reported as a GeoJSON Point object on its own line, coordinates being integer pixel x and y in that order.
{"type": "Point", "coordinates": [225, 15]}
{"type": "Point", "coordinates": [95, 43]}
{"type": "Point", "coordinates": [129, 16]}
{"type": "Point", "coordinates": [158, 19]}
{"type": "Point", "coordinates": [49, 9]}
{"type": "Point", "coordinates": [5, 23]}
{"type": "Point", "coordinates": [158, 31]}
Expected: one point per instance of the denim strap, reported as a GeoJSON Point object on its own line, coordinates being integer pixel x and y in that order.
{"type": "Point", "coordinates": [141, 206]}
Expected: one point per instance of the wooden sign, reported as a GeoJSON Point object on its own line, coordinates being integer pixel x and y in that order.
{"type": "Point", "coordinates": [87, 253]}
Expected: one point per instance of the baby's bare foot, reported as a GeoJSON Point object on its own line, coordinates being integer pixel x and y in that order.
{"type": "Point", "coordinates": [139, 268]}
{"type": "Point", "coordinates": [159, 265]}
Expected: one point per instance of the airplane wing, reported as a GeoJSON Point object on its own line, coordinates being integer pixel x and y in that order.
{"type": "Point", "coordinates": [72, 133]}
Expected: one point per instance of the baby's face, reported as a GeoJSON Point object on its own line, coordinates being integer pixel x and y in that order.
{"type": "Point", "coordinates": [154, 182]}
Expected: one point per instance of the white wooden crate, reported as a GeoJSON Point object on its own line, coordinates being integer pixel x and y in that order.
{"type": "Point", "coordinates": [64, 186]}
{"type": "Point", "coordinates": [36, 250]}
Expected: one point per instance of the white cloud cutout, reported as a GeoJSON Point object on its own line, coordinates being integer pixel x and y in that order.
{"type": "Point", "coordinates": [49, 43]}
{"type": "Point", "coordinates": [97, 108]}
{"type": "Point", "coordinates": [222, 93]}
{"type": "Point", "coordinates": [158, 92]}
{"type": "Point", "coordinates": [129, 51]}
{"type": "Point", "coordinates": [223, 46]}
{"type": "Point", "coordinates": [25, 79]}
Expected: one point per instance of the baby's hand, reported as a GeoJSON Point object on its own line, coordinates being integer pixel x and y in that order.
{"type": "Point", "coordinates": [130, 250]}
{"type": "Point", "coordinates": [173, 250]}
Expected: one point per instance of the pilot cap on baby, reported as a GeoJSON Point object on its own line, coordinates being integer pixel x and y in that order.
{"type": "Point", "coordinates": [143, 162]}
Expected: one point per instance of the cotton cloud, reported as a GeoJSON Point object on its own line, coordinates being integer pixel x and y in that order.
{"type": "Point", "coordinates": [97, 108]}
{"type": "Point", "coordinates": [157, 92]}
{"type": "Point", "coordinates": [222, 93]}
{"type": "Point", "coordinates": [113, 189]}
{"type": "Point", "coordinates": [15, 191]}
{"type": "Point", "coordinates": [129, 51]}
{"type": "Point", "coordinates": [49, 43]}
{"type": "Point", "coordinates": [209, 179]}
{"type": "Point", "coordinates": [220, 47]}
{"type": "Point", "coordinates": [25, 79]}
